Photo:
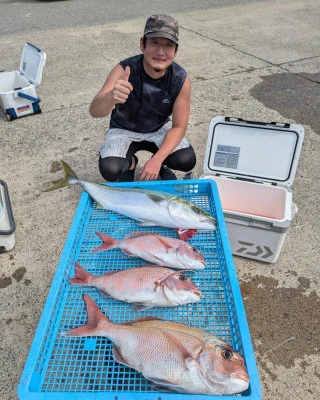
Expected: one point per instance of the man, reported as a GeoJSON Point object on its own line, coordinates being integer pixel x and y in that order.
{"type": "Point", "coordinates": [141, 93]}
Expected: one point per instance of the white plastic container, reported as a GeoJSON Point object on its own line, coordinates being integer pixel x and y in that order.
{"type": "Point", "coordinates": [254, 165]}
{"type": "Point", "coordinates": [7, 224]}
{"type": "Point", "coordinates": [18, 95]}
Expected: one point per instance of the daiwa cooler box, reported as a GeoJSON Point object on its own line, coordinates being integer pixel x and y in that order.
{"type": "Point", "coordinates": [18, 95]}
{"type": "Point", "coordinates": [83, 368]}
{"type": "Point", "coordinates": [254, 165]}
{"type": "Point", "coordinates": [7, 224]}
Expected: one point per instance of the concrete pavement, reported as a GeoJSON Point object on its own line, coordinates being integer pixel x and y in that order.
{"type": "Point", "coordinates": [254, 61]}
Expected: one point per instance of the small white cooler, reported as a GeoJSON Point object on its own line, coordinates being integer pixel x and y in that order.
{"type": "Point", "coordinates": [254, 165]}
{"type": "Point", "coordinates": [7, 224]}
{"type": "Point", "coordinates": [18, 95]}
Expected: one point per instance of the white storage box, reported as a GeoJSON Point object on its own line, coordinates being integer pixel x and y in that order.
{"type": "Point", "coordinates": [254, 165]}
{"type": "Point", "coordinates": [18, 95]}
{"type": "Point", "coordinates": [7, 224]}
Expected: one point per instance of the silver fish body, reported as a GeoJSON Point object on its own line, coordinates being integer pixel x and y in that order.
{"type": "Point", "coordinates": [174, 356]}
{"type": "Point", "coordinates": [157, 249]}
{"type": "Point", "coordinates": [148, 207]}
{"type": "Point", "coordinates": [145, 287]}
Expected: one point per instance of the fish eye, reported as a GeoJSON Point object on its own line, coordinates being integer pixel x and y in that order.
{"type": "Point", "coordinates": [196, 210]}
{"type": "Point", "coordinates": [227, 354]}
{"type": "Point", "coordinates": [183, 278]}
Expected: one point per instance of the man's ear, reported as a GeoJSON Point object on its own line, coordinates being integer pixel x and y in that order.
{"type": "Point", "coordinates": [141, 44]}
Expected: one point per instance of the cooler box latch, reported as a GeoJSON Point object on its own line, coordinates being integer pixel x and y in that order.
{"type": "Point", "coordinates": [260, 224]}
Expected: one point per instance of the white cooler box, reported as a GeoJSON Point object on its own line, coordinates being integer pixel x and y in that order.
{"type": "Point", "coordinates": [7, 224]}
{"type": "Point", "coordinates": [18, 95]}
{"type": "Point", "coordinates": [254, 165]}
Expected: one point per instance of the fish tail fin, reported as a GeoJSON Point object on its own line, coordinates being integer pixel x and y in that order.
{"type": "Point", "coordinates": [69, 179]}
{"type": "Point", "coordinates": [108, 243]}
{"type": "Point", "coordinates": [97, 322]}
{"type": "Point", "coordinates": [82, 276]}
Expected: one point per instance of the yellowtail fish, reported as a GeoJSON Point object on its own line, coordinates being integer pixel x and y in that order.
{"type": "Point", "coordinates": [145, 287]}
{"type": "Point", "coordinates": [159, 250]}
{"type": "Point", "coordinates": [174, 356]}
{"type": "Point", "coordinates": [148, 207]}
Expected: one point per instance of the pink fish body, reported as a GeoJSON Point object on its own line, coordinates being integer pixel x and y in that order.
{"type": "Point", "coordinates": [158, 250]}
{"type": "Point", "coordinates": [146, 287]}
{"type": "Point", "coordinates": [174, 356]}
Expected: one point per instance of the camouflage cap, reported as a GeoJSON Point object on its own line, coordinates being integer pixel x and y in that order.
{"type": "Point", "coordinates": [160, 25]}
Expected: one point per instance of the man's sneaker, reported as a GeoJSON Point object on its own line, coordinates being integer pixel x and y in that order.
{"type": "Point", "coordinates": [128, 176]}
{"type": "Point", "coordinates": [166, 174]}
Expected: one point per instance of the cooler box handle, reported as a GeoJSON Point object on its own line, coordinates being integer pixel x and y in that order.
{"type": "Point", "coordinates": [283, 125]}
{"type": "Point", "coordinates": [27, 97]}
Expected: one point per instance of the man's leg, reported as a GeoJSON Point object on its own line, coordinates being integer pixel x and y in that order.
{"type": "Point", "coordinates": [112, 168]}
{"type": "Point", "coordinates": [117, 161]}
{"type": "Point", "coordinates": [182, 160]}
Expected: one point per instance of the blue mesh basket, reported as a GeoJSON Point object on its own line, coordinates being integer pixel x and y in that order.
{"type": "Point", "coordinates": [67, 368]}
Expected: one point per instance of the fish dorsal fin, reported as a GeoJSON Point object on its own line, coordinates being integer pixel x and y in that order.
{"type": "Point", "coordinates": [161, 239]}
{"type": "Point", "coordinates": [142, 319]}
{"type": "Point", "coordinates": [111, 272]}
{"type": "Point", "coordinates": [134, 235]}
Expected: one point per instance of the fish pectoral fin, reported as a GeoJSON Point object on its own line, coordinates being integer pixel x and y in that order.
{"type": "Point", "coordinates": [168, 247]}
{"type": "Point", "coordinates": [157, 197]}
{"type": "Point", "coordinates": [180, 350]}
{"type": "Point", "coordinates": [118, 357]}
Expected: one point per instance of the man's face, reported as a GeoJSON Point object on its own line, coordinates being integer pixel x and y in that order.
{"type": "Point", "coordinates": [158, 53]}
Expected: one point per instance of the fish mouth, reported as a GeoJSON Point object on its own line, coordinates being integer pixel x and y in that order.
{"type": "Point", "coordinates": [203, 262]}
{"type": "Point", "coordinates": [197, 292]}
{"type": "Point", "coordinates": [210, 221]}
{"type": "Point", "coordinates": [242, 376]}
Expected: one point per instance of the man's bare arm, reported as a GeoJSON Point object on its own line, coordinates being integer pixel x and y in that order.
{"type": "Point", "coordinates": [115, 90]}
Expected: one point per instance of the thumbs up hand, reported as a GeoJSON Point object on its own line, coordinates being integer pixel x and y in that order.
{"type": "Point", "coordinates": [126, 73]}
{"type": "Point", "coordinates": [122, 88]}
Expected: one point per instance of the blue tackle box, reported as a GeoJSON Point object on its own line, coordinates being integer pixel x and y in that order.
{"type": "Point", "coordinates": [68, 368]}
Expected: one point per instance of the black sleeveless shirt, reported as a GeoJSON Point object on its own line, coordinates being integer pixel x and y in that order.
{"type": "Point", "coordinates": [150, 103]}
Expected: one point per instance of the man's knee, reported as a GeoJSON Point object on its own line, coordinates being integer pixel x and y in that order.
{"type": "Point", "coordinates": [182, 160]}
{"type": "Point", "coordinates": [111, 168]}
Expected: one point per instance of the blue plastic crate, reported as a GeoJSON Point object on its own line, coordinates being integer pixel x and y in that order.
{"type": "Point", "coordinates": [67, 368]}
